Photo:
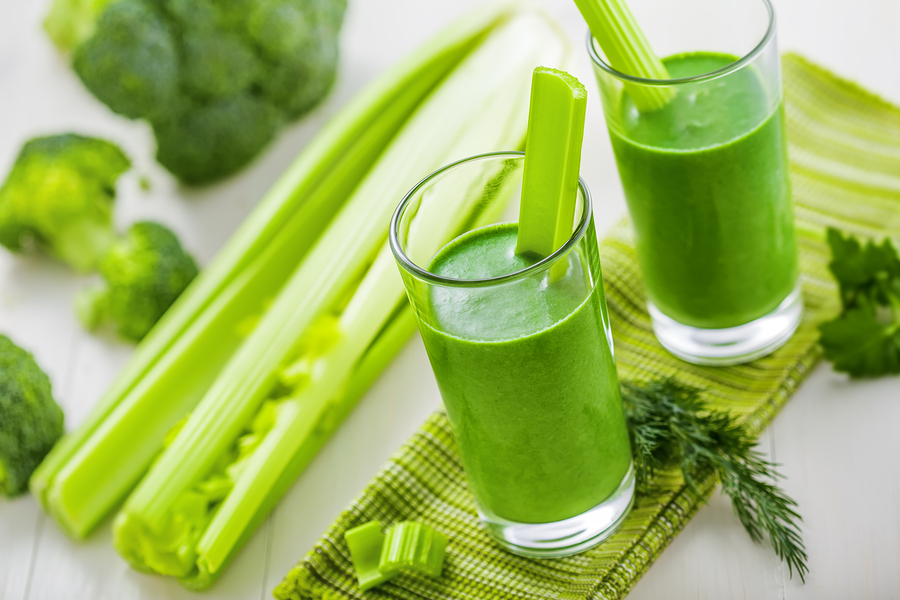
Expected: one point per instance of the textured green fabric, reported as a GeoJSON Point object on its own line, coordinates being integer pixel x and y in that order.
{"type": "Point", "coordinates": [844, 146]}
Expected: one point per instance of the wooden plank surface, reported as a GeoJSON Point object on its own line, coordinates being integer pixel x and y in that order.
{"type": "Point", "coordinates": [837, 440]}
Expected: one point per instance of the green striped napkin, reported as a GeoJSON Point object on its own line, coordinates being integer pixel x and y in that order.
{"type": "Point", "coordinates": [845, 161]}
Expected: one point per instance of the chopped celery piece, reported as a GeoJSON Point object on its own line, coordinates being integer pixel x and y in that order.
{"type": "Point", "coordinates": [94, 467]}
{"type": "Point", "coordinates": [552, 164]}
{"type": "Point", "coordinates": [627, 49]}
{"type": "Point", "coordinates": [308, 351]}
{"type": "Point", "coordinates": [408, 545]}
{"type": "Point", "coordinates": [412, 545]}
{"type": "Point", "coordinates": [365, 544]}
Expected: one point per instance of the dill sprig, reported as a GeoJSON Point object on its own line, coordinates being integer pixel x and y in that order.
{"type": "Point", "coordinates": [671, 427]}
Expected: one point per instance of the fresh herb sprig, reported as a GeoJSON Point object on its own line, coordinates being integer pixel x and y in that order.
{"type": "Point", "coordinates": [864, 340]}
{"type": "Point", "coordinates": [671, 427]}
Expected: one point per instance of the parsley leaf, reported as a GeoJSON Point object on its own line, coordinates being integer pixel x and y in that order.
{"type": "Point", "coordinates": [864, 340]}
{"type": "Point", "coordinates": [858, 344]}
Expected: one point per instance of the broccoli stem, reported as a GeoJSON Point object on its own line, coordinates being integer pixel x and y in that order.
{"type": "Point", "coordinates": [89, 307]}
{"type": "Point", "coordinates": [82, 244]}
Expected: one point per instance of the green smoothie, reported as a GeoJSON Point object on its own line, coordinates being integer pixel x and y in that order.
{"type": "Point", "coordinates": [528, 379]}
{"type": "Point", "coordinates": [707, 187]}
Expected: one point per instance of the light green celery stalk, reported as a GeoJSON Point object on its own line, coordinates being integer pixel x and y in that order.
{"type": "Point", "coordinates": [342, 299]}
{"type": "Point", "coordinates": [552, 164]}
{"type": "Point", "coordinates": [92, 469]}
{"type": "Point", "coordinates": [627, 50]}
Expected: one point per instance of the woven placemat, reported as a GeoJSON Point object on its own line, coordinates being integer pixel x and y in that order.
{"type": "Point", "coordinates": [844, 146]}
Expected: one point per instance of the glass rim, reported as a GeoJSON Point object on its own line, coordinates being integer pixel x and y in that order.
{"type": "Point", "coordinates": [408, 265]}
{"type": "Point", "coordinates": [742, 61]}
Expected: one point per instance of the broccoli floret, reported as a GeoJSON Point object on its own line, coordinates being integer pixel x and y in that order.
{"type": "Point", "coordinates": [131, 62]}
{"type": "Point", "coordinates": [70, 22]}
{"type": "Point", "coordinates": [30, 421]}
{"type": "Point", "coordinates": [217, 79]}
{"type": "Point", "coordinates": [144, 271]}
{"type": "Point", "coordinates": [202, 144]}
{"type": "Point", "coordinates": [59, 195]}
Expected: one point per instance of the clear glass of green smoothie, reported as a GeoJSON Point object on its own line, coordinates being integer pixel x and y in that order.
{"type": "Point", "coordinates": [522, 352]}
{"type": "Point", "coordinates": [706, 179]}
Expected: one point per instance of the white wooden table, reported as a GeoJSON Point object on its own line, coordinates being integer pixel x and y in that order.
{"type": "Point", "coordinates": [837, 440]}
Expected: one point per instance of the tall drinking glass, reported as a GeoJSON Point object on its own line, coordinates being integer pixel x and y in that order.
{"type": "Point", "coordinates": [706, 180]}
{"type": "Point", "coordinates": [523, 355]}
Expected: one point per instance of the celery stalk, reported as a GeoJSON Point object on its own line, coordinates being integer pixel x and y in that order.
{"type": "Point", "coordinates": [552, 164]}
{"type": "Point", "coordinates": [96, 465]}
{"type": "Point", "coordinates": [347, 285]}
{"type": "Point", "coordinates": [627, 49]}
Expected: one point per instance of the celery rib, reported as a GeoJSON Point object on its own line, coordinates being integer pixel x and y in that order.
{"type": "Point", "coordinates": [552, 164]}
{"type": "Point", "coordinates": [628, 50]}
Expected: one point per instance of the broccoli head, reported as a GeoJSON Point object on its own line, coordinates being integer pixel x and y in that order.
{"type": "Point", "coordinates": [30, 421]}
{"type": "Point", "coordinates": [144, 271]}
{"type": "Point", "coordinates": [59, 196]}
{"type": "Point", "coordinates": [217, 79]}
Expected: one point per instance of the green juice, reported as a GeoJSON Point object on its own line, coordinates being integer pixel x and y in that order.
{"type": "Point", "coordinates": [528, 378]}
{"type": "Point", "coordinates": [708, 191]}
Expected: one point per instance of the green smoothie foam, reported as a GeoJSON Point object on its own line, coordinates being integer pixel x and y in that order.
{"type": "Point", "coordinates": [708, 191]}
{"type": "Point", "coordinates": [528, 379]}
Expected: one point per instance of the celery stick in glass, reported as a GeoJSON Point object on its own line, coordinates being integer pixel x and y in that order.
{"type": "Point", "coordinates": [552, 163]}
{"type": "Point", "coordinates": [627, 49]}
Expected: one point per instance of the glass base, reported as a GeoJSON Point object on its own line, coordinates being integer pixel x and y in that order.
{"type": "Point", "coordinates": [733, 345]}
{"type": "Point", "coordinates": [570, 536]}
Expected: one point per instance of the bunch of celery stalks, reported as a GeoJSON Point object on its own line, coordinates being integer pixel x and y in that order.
{"type": "Point", "coordinates": [244, 379]}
